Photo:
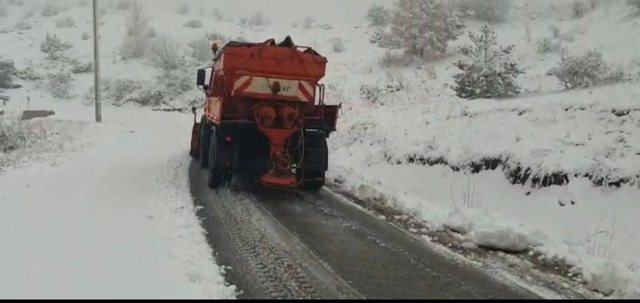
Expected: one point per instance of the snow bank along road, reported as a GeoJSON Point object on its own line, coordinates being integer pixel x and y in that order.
{"type": "Point", "coordinates": [289, 244]}
{"type": "Point", "coordinates": [113, 220]}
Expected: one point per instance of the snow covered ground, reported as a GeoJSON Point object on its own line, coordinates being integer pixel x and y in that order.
{"type": "Point", "coordinates": [112, 219]}
{"type": "Point", "coordinates": [587, 137]}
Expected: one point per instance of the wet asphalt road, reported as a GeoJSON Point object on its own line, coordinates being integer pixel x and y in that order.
{"type": "Point", "coordinates": [297, 245]}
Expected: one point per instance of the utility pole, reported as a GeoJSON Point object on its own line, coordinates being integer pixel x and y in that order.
{"type": "Point", "coordinates": [96, 62]}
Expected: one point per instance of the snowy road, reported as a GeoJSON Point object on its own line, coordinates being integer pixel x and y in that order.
{"type": "Point", "coordinates": [299, 245]}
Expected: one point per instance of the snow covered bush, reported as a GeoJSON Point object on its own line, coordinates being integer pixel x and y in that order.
{"type": "Point", "coordinates": [13, 134]}
{"type": "Point", "coordinates": [370, 93]}
{"type": "Point", "coordinates": [201, 50]}
{"type": "Point", "coordinates": [121, 89]}
{"type": "Point", "coordinates": [29, 74]}
{"type": "Point", "coordinates": [422, 27]}
{"type": "Point", "coordinates": [492, 11]}
{"type": "Point", "coordinates": [378, 15]}
{"type": "Point", "coordinates": [214, 35]}
{"type": "Point", "coordinates": [151, 32]}
{"type": "Point", "coordinates": [183, 9]}
{"type": "Point", "coordinates": [578, 9]}
{"type": "Point", "coordinates": [65, 23]}
{"type": "Point", "coordinates": [53, 47]}
{"type": "Point", "coordinates": [85, 36]}
{"type": "Point", "coordinates": [81, 68]}
{"type": "Point", "coordinates": [28, 14]}
{"type": "Point", "coordinates": [136, 42]}
{"type": "Point", "coordinates": [337, 45]}
{"type": "Point", "coordinates": [193, 24]}
{"type": "Point", "coordinates": [308, 22]}
{"type": "Point", "coordinates": [257, 20]}
{"type": "Point", "coordinates": [23, 26]}
{"type": "Point", "coordinates": [166, 54]}
{"type": "Point", "coordinates": [581, 71]}
{"type": "Point", "coordinates": [376, 37]}
{"type": "Point", "coordinates": [546, 45]}
{"type": "Point", "coordinates": [123, 5]}
{"type": "Point", "coordinates": [490, 71]}
{"type": "Point", "coordinates": [49, 10]}
{"type": "Point", "coordinates": [7, 71]}
{"type": "Point", "coordinates": [60, 85]}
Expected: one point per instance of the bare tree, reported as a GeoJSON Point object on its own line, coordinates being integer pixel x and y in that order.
{"type": "Point", "coordinates": [136, 42]}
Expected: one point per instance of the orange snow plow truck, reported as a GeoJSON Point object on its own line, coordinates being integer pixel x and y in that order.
{"type": "Point", "coordinates": [264, 114]}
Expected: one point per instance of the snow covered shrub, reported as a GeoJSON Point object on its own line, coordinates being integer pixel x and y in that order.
{"type": "Point", "coordinates": [53, 47]}
{"type": "Point", "coordinates": [7, 71]}
{"type": "Point", "coordinates": [23, 25]}
{"type": "Point", "coordinates": [308, 22]}
{"type": "Point", "coordinates": [257, 20]}
{"type": "Point", "coordinates": [378, 15]}
{"type": "Point", "coordinates": [123, 5]}
{"type": "Point", "coordinates": [214, 35]}
{"type": "Point", "coordinates": [151, 32]}
{"type": "Point", "coordinates": [370, 93]}
{"type": "Point", "coordinates": [28, 14]}
{"type": "Point", "coordinates": [65, 23]}
{"type": "Point", "coordinates": [376, 37]}
{"type": "Point", "coordinates": [490, 72]}
{"type": "Point", "coordinates": [546, 45]}
{"type": "Point", "coordinates": [422, 27]}
{"type": "Point", "coordinates": [555, 31]}
{"type": "Point", "coordinates": [193, 24]}
{"type": "Point", "coordinates": [121, 89]}
{"type": "Point", "coordinates": [581, 71]}
{"type": "Point", "coordinates": [81, 68]}
{"type": "Point", "coordinates": [86, 36]}
{"type": "Point", "coordinates": [60, 85]}
{"type": "Point", "coordinates": [201, 50]}
{"type": "Point", "coordinates": [635, 4]}
{"type": "Point", "coordinates": [13, 134]}
{"type": "Point", "coordinates": [29, 74]}
{"type": "Point", "coordinates": [49, 10]}
{"type": "Point", "coordinates": [166, 54]}
{"type": "Point", "coordinates": [136, 42]}
{"type": "Point", "coordinates": [578, 9]}
{"type": "Point", "coordinates": [337, 45]}
{"type": "Point", "coordinates": [492, 11]}
{"type": "Point", "coordinates": [183, 9]}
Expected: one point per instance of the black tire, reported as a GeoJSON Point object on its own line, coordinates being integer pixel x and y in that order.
{"type": "Point", "coordinates": [314, 185]}
{"type": "Point", "coordinates": [205, 141]}
{"type": "Point", "coordinates": [218, 176]}
{"type": "Point", "coordinates": [314, 176]}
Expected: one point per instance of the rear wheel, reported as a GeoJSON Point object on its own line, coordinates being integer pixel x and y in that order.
{"type": "Point", "coordinates": [205, 141]}
{"type": "Point", "coordinates": [315, 161]}
{"type": "Point", "coordinates": [314, 181]}
{"type": "Point", "coordinates": [218, 175]}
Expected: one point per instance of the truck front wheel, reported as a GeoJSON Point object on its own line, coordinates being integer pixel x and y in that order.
{"type": "Point", "coordinates": [205, 138]}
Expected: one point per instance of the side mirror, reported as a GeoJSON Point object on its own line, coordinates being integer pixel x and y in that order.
{"type": "Point", "coordinates": [201, 77]}
{"type": "Point", "coordinates": [193, 109]}
{"type": "Point", "coordinates": [205, 87]}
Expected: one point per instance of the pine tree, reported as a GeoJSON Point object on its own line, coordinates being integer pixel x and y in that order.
{"type": "Point", "coordinates": [491, 72]}
{"type": "Point", "coordinates": [422, 26]}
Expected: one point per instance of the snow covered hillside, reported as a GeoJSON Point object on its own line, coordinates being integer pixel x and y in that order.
{"type": "Point", "coordinates": [551, 171]}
